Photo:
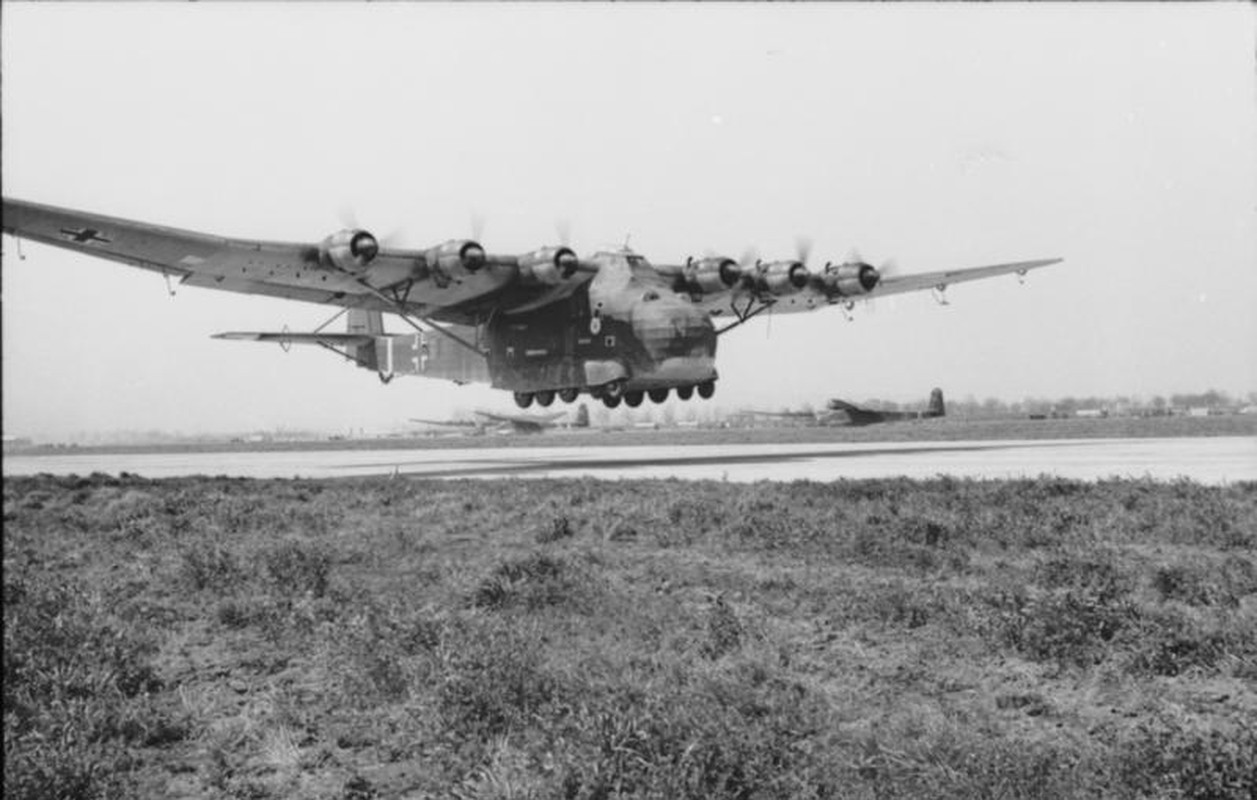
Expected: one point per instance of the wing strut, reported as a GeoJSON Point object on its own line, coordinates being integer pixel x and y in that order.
{"type": "Point", "coordinates": [400, 310]}
{"type": "Point", "coordinates": [332, 319]}
{"type": "Point", "coordinates": [745, 314]}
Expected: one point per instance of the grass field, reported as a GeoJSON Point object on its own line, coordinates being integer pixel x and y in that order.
{"type": "Point", "coordinates": [532, 639]}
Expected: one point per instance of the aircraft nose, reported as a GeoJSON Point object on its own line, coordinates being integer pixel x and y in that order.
{"type": "Point", "coordinates": [673, 327]}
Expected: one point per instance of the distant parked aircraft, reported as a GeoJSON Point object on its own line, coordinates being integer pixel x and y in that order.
{"type": "Point", "coordinates": [836, 410]}
{"type": "Point", "coordinates": [486, 420]}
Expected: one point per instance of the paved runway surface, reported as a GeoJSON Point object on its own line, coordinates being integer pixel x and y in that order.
{"type": "Point", "coordinates": [1212, 460]}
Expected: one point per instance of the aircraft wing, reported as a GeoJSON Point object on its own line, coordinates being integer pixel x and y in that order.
{"type": "Point", "coordinates": [523, 422]}
{"type": "Point", "coordinates": [290, 270]}
{"type": "Point", "coordinates": [842, 405]}
{"type": "Point", "coordinates": [459, 423]}
{"type": "Point", "coordinates": [898, 284]}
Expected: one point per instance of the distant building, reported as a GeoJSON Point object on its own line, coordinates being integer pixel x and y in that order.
{"type": "Point", "coordinates": [1091, 413]}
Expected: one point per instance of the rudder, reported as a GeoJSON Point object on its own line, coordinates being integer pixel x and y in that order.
{"type": "Point", "coordinates": [364, 322]}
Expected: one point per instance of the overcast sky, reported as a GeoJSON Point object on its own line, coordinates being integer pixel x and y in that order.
{"type": "Point", "coordinates": [1120, 137]}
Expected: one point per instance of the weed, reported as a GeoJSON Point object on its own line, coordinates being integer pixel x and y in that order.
{"type": "Point", "coordinates": [533, 582]}
{"type": "Point", "coordinates": [494, 682]}
{"type": "Point", "coordinates": [1167, 757]}
{"type": "Point", "coordinates": [1205, 584]}
{"type": "Point", "coordinates": [724, 631]}
{"type": "Point", "coordinates": [209, 565]}
{"type": "Point", "coordinates": [373, 651]}
{"type": "Point", "coordinates": [358, 788]}
{"type": "Point", "coordinates": [1171, 641]}
{"type": "Point", "coordinates": [1093, 574]}
{"type": "Point", "coordinates": [296, 568]}
{"type": "Point", "coordinates": [898, 603]}
{"type": "Point", "coordinates": [1070, 628]}
{"type": "Point", "coordinates": [560, 528]}
{"type": "Point", "coordinates": [234, 614]}
{"type": "Point", "coordinates": [73, 682]}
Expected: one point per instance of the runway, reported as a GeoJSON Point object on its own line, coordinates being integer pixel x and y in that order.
{"type": "Point", "coordinates": [1212, 460]}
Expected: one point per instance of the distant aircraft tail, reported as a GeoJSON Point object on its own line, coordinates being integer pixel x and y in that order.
{"type": "Point", "coordinates": [935, 408]}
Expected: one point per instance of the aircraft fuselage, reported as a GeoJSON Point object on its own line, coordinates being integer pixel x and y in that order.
{"type": "Point", "coordinates": [622, 332]}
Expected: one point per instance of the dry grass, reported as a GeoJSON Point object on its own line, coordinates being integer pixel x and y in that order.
{"type": "Point", "coordinates": [375, 638]}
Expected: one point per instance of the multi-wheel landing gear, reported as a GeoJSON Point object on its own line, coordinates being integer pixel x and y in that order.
{"type": "Point", "coordinates": [613, 393]}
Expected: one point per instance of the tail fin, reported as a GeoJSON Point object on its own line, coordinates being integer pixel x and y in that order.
{"type": "Point", "coordinates": [935, 408]}
{"type": "Point", "coordinates": [368, 322]}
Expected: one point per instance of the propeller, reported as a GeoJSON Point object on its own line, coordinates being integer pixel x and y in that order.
{"type": "Point", "coordinates": [747, 263]}
{"type": "Point", "coordinates": [348, 219]}
{"type": "Point", "coordinates": [563, 230]}
{"type": "Point", "coordinates": [803, 248]}
{"type": "Point", "coordinates": [478, 221]}
{"type": "Point", "coordinates": [888, 268]}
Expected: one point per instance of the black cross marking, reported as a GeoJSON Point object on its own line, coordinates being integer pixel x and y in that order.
{"type": "Point", "coordinates": [83, 235]}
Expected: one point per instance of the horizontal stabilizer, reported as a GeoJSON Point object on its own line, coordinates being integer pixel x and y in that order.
{"type": "Point", "coordinates": [298, 338]}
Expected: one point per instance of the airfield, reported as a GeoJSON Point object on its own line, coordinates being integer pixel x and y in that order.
{"type": "Point", "coordinates": [1206, 451]}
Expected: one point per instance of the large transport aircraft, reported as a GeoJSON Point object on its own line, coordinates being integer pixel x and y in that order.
{"type": "Point", "coordinates": [543, 324]}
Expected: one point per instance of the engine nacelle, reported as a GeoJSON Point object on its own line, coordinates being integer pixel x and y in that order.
{"type": "Point", "coordinates": [457, 256]}
{"type": "Point", "coordinates": [784, 277]}
{"type": "Point", "coordinates": [349, 250]}
{"type": "Point", "coordinates": [849, 280]}
{"type": "Point", "coordinates": [711, 275]}
{"type": "Point", "coordinates": [548, 266]}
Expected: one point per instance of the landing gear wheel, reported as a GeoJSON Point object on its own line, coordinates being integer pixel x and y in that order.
{"type": "Point", "coordinates": [613, 389]}
{"type": "Point", "coordinates": [569, 395]}
{"type": "Point", "coordinates": [545, 398]}
{"type": "Point", "coordinates": [633, 399]}
{"type": "Point", "coordinates": [659, 395]}
{"type": "Point", "coordinates": [685, 392]}
{"type": "Point", "coordinates": [609, 401]}
{"type": "Point", "coordinates": [523, 399]}
{"type": "Point", "coordinates": [706, 389]}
